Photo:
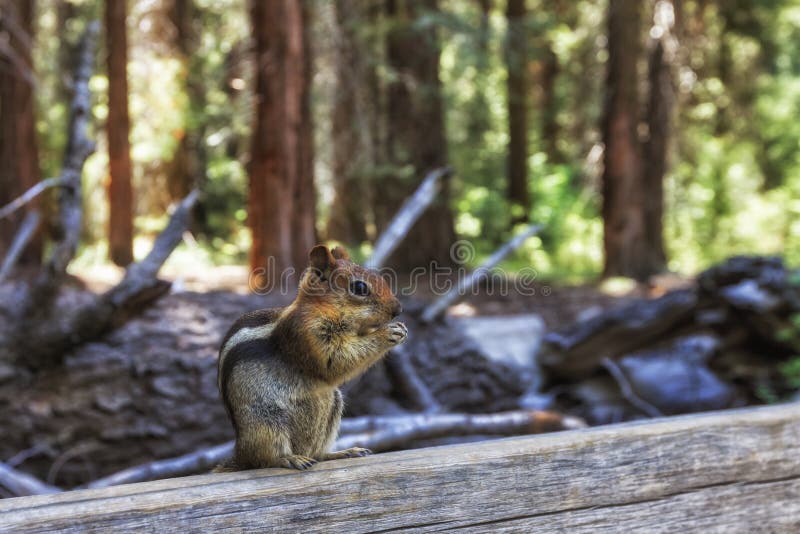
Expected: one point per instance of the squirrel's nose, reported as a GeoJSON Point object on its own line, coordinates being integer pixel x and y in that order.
{"type": "Point", "coordinates": [397, 309]}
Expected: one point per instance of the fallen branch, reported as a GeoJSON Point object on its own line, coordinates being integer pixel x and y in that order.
{"type": "Point", "coordinates": [194, 462]}
{"type": "Point", "coordinates": [409, 212]}
{"type": "Point", "coordinates": [379, 433]}
{"type": "Point", "coordinates": [26, 231]}
{"type": "Point", "coordinates": [142, 275]}
{"type": "Point", "coordinates": [21, 484]}
{"type": "Point", "coordinates": [437, 307]}
{"type": "Point", "coordinates": [406, 378]}
{"type": "Point", "coordinates": [42, 343]}
{"type": "Point", "coordinates": [408, 429]}
{"type": "Point", "coordinates": [29, 195]}
{"type": "Point", "coordinates": [627, 390]}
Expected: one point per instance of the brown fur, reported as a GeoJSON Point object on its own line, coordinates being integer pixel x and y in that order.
{"type": "Point", "coordinates": [280, 369]}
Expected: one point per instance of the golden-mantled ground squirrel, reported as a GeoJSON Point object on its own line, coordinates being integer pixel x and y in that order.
{"type": "Point", "coordinates": [279, 369]}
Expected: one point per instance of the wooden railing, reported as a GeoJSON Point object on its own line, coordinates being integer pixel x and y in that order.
{"type": "Point", "coordinates": [724, 471]}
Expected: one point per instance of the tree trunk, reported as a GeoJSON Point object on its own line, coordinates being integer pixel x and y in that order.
{"type": "Point", "coordinates": [120, 191]}
{"type": "Point", "coordinates": [516, 62]}
{"type": "Point", "coordinates": [19, 157]}
{"type": "Point", "coordinates": [282, 196]}
{"type": "Point", "coordinates": [659, 122]}
{"type": "Point", "coordinates": [627, 252]}
{"type": "Point", "coordinates": [415, 140]}
{"type": "Point", "coordinates": [182, 176]}
{"type": "Point", "coordinates": [353, 159]}
{"type": "Point", "coordinates": [549, 125]}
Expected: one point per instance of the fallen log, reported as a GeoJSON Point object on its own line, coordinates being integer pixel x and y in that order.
{"type": "Point", "coordinates": [438, 306]}
{"type": "Point", "coordinates": [409, 212]}
{"type": "Point", "coordinates": [725, 471]}
{"type": "Point", "coordinates": [578, 350]}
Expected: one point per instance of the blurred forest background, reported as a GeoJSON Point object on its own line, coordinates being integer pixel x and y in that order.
{"type": "Point", "coordinates": [645, 136]}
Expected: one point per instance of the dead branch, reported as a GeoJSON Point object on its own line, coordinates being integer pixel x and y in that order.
{"type": "Point", "coordinates": [194, 462]}
{"type": "Point", "coordinates": [404, 430]}
{"type": "Point", "coordinates": [29, 195]}
{"type": "Point", "coordinates": [627, 390]}
{"type": "Point", "coordinates": [378, 433]}
{"type": "Point", "coordinates": [407, 379]}
{"type": "Point", "coordinates": [44, 342]}
{"type": "Point", "coordinates": [141, 276]}
{"type": "Point", "coordinates": [79, 147]}
{"type": "Point", "coordinates": [26, 231]}
{"type": "Point", "coordinates": [409, 212]}
{"type": "Point", "coordinates": [437, 307]}
{"type": "Point", "coordinates": [21, 484]}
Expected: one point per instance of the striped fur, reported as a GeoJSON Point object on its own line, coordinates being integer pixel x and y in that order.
{"type": "Point", "coordinates": [279, 369]}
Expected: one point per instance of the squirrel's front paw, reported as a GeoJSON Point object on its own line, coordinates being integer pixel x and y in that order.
{"type": "Point", "coordinates": [397, 333]}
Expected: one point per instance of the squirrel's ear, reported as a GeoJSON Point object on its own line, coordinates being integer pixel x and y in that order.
{"type": "Point", "coordinates": [340, 253]}
{"type": "Point", "coordinates": [321, 259]}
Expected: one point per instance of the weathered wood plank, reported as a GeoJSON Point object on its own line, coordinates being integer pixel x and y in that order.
{"type": "Point", "coordinates": [721, 471]}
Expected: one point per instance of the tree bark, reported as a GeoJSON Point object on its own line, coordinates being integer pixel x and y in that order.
{"type": "Point", "coordinates": [627, 252]}
{"type": "Point", "coordinates": [19, 157]}
{"type": "Point", "coordinates": [120, 190]}
{"type": "Point", "coordinates": [549, 124]}
{"type": "Point", "coordinates": [656, 150]}
{"type": "Point", "coordinates": [353, 158]}
{"type": "Point", "coordinates": [282, 196]}
{"type": "Point", "coordinates": [184, 170]}
{"type": "Point", "coordinates": [517, 86]}
{"type": "Point", "coordinates": [415, 140]}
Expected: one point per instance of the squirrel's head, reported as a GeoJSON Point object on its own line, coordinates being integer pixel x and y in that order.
{"type": "Point", "coordinates": [346, 292]}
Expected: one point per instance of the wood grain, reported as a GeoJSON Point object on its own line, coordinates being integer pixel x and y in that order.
{"type": "Point", "coordinates": [723, 471]}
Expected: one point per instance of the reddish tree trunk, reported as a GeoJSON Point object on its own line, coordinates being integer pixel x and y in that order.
{"type": "Point", "coordinates": [282, 196]}
{"type": "Point", "coordinates": [517, 86]}
{"type": "Point", "coordinates": [627, 252]}
{"type": "Point", "coordinates": [415, 139]}
{"type": "Point", "coordinates": [19, 157]}
{"type": "Point", "coordinates": [120, 191]}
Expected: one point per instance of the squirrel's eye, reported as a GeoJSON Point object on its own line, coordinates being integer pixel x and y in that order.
{"type": "Point", "coordinates": [359, 288]}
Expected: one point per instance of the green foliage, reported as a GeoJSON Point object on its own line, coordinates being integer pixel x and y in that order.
{"type": "Point", "coordinates": [733, 184]}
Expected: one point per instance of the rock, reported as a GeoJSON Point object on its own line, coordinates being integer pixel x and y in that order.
{"type": "Point", "coordinates": [511, 339]}
{"type": "Point", "coordinates": [748, 295]}
{"type": "Point", "coordinates": [676, 379]}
